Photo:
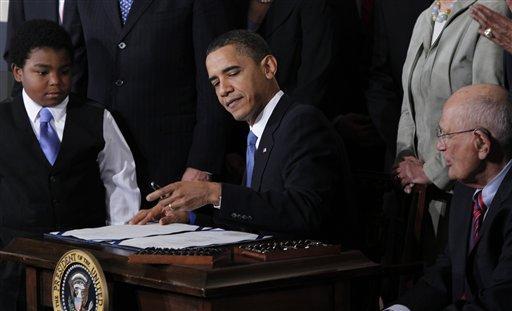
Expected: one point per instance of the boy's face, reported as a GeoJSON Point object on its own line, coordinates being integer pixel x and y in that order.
{"type": "Point", "coordinates": [46, 76]}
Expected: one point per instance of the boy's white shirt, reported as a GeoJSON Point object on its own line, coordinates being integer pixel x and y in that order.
{"type": "Point", "coordinates": [117, 167]}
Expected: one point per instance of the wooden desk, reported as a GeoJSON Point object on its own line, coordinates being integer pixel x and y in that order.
{"type": "Point", "coordinates": [321, 283]}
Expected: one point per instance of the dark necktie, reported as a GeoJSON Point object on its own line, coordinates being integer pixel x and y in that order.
{"type": "Point", "coordinates": [479, 209]}
{"type": "Point", "coordinates": [249, 157]}
{"type": "Point", "coordinates": [48, 139]}
{"type": "Point", "coordinates": [125, 6]}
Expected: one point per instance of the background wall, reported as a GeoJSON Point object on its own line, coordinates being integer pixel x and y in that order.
{"type": "Point", "coordinates": [5, 76]}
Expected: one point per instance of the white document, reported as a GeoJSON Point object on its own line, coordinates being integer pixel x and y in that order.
{"type": "Point", "coordinates": [191, 239]}
{"type": "Point", "coordinates": [121, 232]}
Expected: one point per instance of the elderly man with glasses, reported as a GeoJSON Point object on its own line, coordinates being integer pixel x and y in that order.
{"type": "Point", "coordinates": [475, 271]}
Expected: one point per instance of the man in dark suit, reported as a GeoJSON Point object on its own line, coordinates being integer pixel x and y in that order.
{"type": "Point", "coordinates": [59, 11]}
{"type": "Point", "coordinates": [393, 29]}
{"type": "Point", "coordinates": [146, 65]}
{"type": "Point", "coordinates": [301, 37]}
{"type": "Point", "coordinates": [475, 271]}
{"type": "Point", "coordinates": [297, 180]}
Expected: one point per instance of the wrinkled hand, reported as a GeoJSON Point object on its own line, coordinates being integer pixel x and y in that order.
{"type": "Point", "coordinates": [185, 195]}
{"type": "Point", "coordinates": [192, 174]}
{"type": "Point", "coordinates": [410, 172]}
{"type": "Point", "coordinates": [501, 26]}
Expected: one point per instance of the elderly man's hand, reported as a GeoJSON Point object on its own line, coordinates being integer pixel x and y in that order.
{"type": "Point", "coordinates": [186, 195]}
{"type": "Point", "coordinates": [410, 172]}
{"type": "Point", "coordinates": [500, 26]}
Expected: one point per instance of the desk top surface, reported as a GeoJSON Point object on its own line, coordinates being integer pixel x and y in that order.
{"type": "Point", "coordinates": [193, 280]}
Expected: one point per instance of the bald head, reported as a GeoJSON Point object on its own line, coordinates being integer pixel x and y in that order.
{"type": "Point", "coordinates": [482, 106]}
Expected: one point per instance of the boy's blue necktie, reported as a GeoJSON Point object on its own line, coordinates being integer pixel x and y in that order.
{"type": "Point", "coordinates": [48, 138]}
{"type": "Point", "coordinates": [249, 157]}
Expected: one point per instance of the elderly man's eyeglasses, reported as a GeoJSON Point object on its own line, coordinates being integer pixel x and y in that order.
{"type": "Point", "coordinates": [445, 137]}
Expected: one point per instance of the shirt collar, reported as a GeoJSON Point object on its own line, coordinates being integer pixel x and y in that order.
{"type": "Point", "coordinates": [489, 191]}
{"type": "Point", "coordinates": [261, 121]}
{"type": "Point", "coordinates": [33, 108]}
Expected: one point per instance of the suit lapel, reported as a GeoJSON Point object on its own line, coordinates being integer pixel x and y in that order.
{"type": "Point", "coordinates": [462, 226]}
{"type": "Point", "coordinates": [464, 5]}
{"type": "Point", "coordinates": [138, 7]}
{"type": "Point", "coordinates": [497, 203]}
{"type": "Point", "coordinates": [28, 137]}
{"type": "Point", "coordinates": [262, 154]}
{"type": "Point", "coordinates": [277, 14]}
{"type": "Point", "coordinates": [429, 28]}
{"type": "Point", "coordinates": [111, 8]}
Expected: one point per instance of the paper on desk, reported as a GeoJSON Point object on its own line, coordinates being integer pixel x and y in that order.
{"type": "Point", "coordinates": [120, 232]}
{"type": "Point", "coordinates": [190, 239]}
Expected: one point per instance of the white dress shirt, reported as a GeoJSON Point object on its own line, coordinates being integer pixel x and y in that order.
{"type": "Point", "coordinates": [115, 161]}
{"type": "Point", "coordinates": [61, 12]}
{"type": "Point", "coordinates": [261, 121]}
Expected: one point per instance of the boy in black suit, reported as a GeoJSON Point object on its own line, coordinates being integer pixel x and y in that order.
{"type": "Point", "coordinates": [64, 163]}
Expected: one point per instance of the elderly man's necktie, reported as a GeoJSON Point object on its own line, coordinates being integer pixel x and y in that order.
{"type": "Point", "coordinates": [249, 157]}
{"type": "Point", "coordinates": [48, 138]}
{"type": "Point", "coordinates": [479, 209]}
{"type": "Point", "coordinates": [125, 6]}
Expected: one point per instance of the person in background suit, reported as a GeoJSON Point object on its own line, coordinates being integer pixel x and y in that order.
{"type": "Point", "coordinates": [392, 34]}
{"type": "Point", "coordinates": [393, 29]}
{"type": "Point", "coordinates": [59, 11]}
{"type": "Point", "coordinates": [64, 163]}
{"type": "Point", "coordinates": [300, 35]}
{"type": "Point", "coordinates": [146, 65]}
{"type": "Point", "coordinates": [297, 179]}
{"type": "Point", "coordinates": [475, 270]}
{"type": "Point", "coordinates": [310, 41]}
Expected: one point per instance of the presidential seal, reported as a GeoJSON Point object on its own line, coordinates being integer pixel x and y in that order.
{"type": "Point", "coordinates": [79, 283]}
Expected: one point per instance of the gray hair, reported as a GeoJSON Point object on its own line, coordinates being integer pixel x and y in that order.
{"type": "Point", "coordinates": [493, 112]}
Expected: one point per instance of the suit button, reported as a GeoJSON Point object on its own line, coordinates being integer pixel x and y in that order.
{"type": "Point", "coordinates": [55, 202]}
{"type": "Point", "coordinates": [249, 218]}
{"type": "Point", "coordinates": [119, 82]}
{"type": "Point", "coordinates": [234, 215]}
{"type": "Point", "coordinates": [53, 179]}
{"type": "Point", "coordinates": [122, 45]}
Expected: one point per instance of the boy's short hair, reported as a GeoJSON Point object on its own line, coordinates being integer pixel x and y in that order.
{"type": "Point", "coordinates": [246, 42]}
{"type": "Point", "coordinates": [38, 33]}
